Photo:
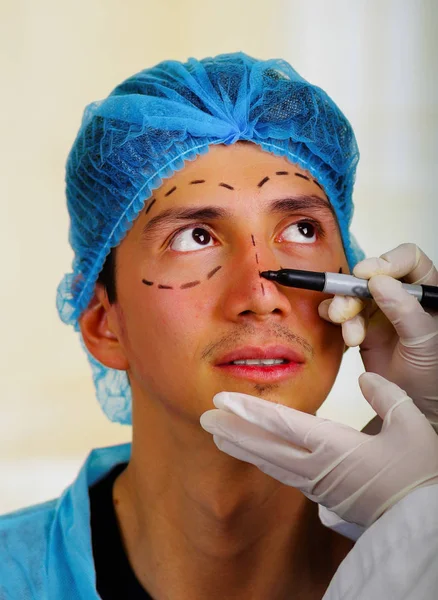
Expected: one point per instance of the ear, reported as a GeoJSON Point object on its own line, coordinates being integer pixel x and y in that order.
{"type": "Point", "coordinates": [98, 324]}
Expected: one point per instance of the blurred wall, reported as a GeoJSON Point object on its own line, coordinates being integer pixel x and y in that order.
{"type": "Point", "coordinates": [376, 58]}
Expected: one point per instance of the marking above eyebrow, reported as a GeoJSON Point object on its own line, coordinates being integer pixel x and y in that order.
{"type": "Point", "coordinates": [146, 282]}
{"type": "Point", "coordinates": [165, 287]}
{"type": "Point", "coordinates": [170, 191]}
{"type": "Point", "coordinates": [225, 185]}
{"type": "Point", "coordinates": [190, 284]}
{"type": "Point", "coordinates": [213, 272]}
{"type": "Point", "coordinates": [263, 181]}
{"type": "Point", "coordinates": [150, 205]}
{"type": "Point", "coordinates": [197, 181]}
{"type": "Point", "coordinates": [282, 173]}
{"type": "Point", "coordinates": [318, 184]}
{"type": "Point", "coordinates": [303, 176]}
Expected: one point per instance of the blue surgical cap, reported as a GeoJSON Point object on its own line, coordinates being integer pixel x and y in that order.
{"type": "Point", "coordinates": [154, 122]}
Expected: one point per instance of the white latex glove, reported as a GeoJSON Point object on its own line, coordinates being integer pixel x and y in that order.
{"type": "Point", "coordinates": [353, 474]}
{"type": "Point", "coordinates": [398, 338]}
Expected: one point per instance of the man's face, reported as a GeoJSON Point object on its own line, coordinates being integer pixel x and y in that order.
{"type": "Point", "coordinates": [191, 302]}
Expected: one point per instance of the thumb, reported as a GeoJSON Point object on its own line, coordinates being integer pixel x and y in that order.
{"type": "Point", "coordinates": [383, 395]}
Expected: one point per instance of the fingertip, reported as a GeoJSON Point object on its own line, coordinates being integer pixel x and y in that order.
{"type": "Point", "coordinates": [323, 309]}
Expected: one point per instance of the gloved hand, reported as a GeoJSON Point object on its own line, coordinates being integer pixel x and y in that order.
{"type": "Point", "coordinates": [398, 338]}
{"type": "Point", "coordinates": [353, 474]}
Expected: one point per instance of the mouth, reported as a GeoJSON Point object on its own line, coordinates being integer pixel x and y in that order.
{"type": "Point", "coordinates": [262, 364]}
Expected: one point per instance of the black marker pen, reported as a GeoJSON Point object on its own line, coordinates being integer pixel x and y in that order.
{"type": "Point", "coordinates": [345, 285]}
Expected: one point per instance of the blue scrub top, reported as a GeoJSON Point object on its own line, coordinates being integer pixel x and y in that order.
{"type": "Point", "coordinates": [45, 550]}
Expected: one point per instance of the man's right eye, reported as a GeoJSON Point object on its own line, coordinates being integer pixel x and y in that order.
{"type": "Point", "coordinates": [192, 239]}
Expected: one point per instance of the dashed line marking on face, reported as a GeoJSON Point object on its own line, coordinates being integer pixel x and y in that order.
{"type": "Point", "coordinates": [263, 181]}
{"type": "Point", "coordinates": [302, 176]}
{"type": "Point", "coordinates": [165, 287]}
{"type": "Point", "coordinates": [225, 185]}
{"type": "Point", "coordinates": [318, 184]}
{"type": "Point", "coordinates": [253, 240]}
{"type": "Point", "coordinates": [257, 259]}
{"type": "Point", "coordinates": [150, 205]}
{"type": "Point", "coordinates": [263, 289]}
{"type": "Point", "coordinates": [190, 284]}
{"type": "Point", "coordinates": [146, 282]}
{"type": "Point", "coordinates": [282, 173]}
{"type": "Point", "coordinates": [195, 181]}
{"type": "Point", "coordinates": [340, 270]}
{"type": "Point", "coordinates": [170, 191]}
{"type": "Point", "coordinates": [213, 272]}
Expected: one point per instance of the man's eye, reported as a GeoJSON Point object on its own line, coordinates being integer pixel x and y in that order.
{"type": "Point", "coordinates": [193, 238]}
{"type": "Point", "coordinates": [303, 232]}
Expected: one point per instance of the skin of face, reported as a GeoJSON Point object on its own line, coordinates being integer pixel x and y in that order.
{"type": "Point", "coordinates": [171, 332]}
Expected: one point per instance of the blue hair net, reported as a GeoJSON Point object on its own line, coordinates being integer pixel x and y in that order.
{"type": "Point", "coordinates": [155, 121]}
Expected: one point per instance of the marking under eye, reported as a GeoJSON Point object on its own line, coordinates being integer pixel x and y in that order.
{"type": "Point", "coordinates": [165, 287]}
{"type": "Point", "coordinates": [303, 176]}
{"type": "Point", "coordinates": [150, 205]}
{"type": "Point", "coordinates": [190, 284]}
{"type": "Point", "coordinates": [263, 181]}
{"type": "Point", "coordinates": [213, 272]}
{"type": "Point", "coordinates": [170, 191]}
{"type": "Point", "coordinates": [146, 282]}
{"type": "Point", "coordinates": [225, 185]}
{"type": "Point", "coordinates": [197, 181]}
{"type": "Point", "coordinates": [282, 173]}
{"type": "Point", "coordinates": [253, 241]}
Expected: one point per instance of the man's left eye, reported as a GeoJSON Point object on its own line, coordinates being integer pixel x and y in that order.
{"type": "Point", "coordinates": [303, 232]}
{"type": "Point", "coordinates": [193, 238]}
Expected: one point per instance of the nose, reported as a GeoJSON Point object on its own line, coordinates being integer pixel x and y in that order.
{"type": "Point", "coordinates": [249, 296]}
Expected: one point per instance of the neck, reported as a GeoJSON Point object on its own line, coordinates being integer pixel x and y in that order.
{"type": "Point", "coordinates": [197, 523]}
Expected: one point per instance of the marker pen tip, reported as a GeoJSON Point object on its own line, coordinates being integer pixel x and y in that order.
{"type": "Point", "coordinates": [269, 275]}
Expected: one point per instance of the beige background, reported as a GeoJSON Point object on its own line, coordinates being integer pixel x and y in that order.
{"type": "Point", "coordinates": [376, 58]}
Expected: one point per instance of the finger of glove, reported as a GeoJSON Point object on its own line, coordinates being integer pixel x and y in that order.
{"type": "Point", "coordinates": [382, 395]}
{"type": "Point", "coordinates": [407, 261]}
{"type": "Point", "coordinates": [354, 330]}
{"type": "Point", "coordinates": [406, 314]}
{"type": "Point", "coordinates": [343, 308]}
{"type": "Point", "coordinates": [247, 435]}
{"type": "Point", "coordinates": [296, 427]}
{"type": "Point", "coordinates": [285, 476]}
{"type": "Point", "coordinates": [288, 423]}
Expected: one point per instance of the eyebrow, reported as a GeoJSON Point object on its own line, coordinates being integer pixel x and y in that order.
{"type": "Point", "coordinates": [171, 216]}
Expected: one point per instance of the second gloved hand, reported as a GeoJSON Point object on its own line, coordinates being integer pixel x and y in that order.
{"type": "Point", "coordinates": [355, 475]}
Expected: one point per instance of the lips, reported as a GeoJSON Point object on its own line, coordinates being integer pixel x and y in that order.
{"type": "Point", "coordinates": [258, 352]}
{"type": "Point", "coordinates": [293, 364]}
